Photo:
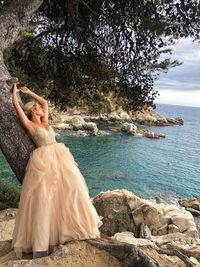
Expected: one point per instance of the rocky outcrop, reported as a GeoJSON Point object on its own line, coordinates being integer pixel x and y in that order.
{"type": "Point", "coordinates": [7, 219]}
{"type": "Point", "coordinates": [157, 228]}
{"type": "Point", "coordinates": [150, 117]}
{"type": "Point", "coordinates": [54, 113]}
{"type": "Point", "coordinates": [167, 245]}
{"type": "Point", "coordinates": [192, 205]}
{"type": "Point", "coordinates": [73, 254]}
{"type": "Point", "coordinates": [78, 119]}
{"type": "Point", "coordinates": [135, 232]}
{"type": "Point", "coordinates": [78, 123]}
{"type": "Point", "coordinates": [96, 252]}
{"type": "Point", "coordinates": [132, 129]}
{"type": "Point", "coordinates": [124, 211]}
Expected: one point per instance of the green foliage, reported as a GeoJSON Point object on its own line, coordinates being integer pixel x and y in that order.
{"type": "Point", "coordinates": [28, 34]}
{"type": "Point", "coordinates": [123, 218]}
{"type": "Point", "coordinates": [9, 195]}
{"type": "Point", "coordinates": [88, 47]}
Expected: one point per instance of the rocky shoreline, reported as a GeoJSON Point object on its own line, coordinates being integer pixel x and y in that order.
{"type": "Point", "coordinates": [77, 119]}
{"type": "Point", "coordinates": [135, 232]}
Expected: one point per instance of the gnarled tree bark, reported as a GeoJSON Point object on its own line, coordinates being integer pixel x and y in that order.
{"type": "Point", "coordinates": [15, 144]}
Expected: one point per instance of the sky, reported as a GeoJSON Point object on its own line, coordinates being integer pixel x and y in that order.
{"type": "Point", "coordinates": [181, 85]}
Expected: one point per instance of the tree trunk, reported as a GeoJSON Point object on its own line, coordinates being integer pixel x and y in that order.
{"type": "Point", "coordinates": [15, 144]}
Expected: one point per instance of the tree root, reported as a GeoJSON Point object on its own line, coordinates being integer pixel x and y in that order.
{"type": "Point", "coordinates": [129, 254]}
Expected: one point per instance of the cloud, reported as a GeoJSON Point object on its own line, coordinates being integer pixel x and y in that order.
{"type": "Point", "coordinates": [187, 76]}
{"type": "Point", "coordinates": [185, 98]}
{"type": "Point", "coordinates": [181, 85]}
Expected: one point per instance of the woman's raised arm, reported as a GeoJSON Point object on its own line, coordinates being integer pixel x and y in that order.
{"type": "Point", "coordinates": [22, 116]}
{"type": "Point", "coordinates": [41, 100]}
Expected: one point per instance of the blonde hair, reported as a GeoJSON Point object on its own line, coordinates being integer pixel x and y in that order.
{"type": "Point", "coordinates": [28, 108]}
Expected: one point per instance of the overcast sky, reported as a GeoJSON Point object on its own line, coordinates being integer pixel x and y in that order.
{"type": "Point", "coordinates": [181, 85]}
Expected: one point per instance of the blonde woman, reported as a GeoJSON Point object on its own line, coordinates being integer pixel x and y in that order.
{"type": "Point", "coordinates": [54, 205]}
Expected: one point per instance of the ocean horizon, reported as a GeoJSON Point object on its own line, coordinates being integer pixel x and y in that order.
{"type": "Point", "coordinates": [190, 106]}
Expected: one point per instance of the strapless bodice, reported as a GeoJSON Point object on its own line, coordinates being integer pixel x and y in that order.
{"type": "Point", "coordinates": [42, 137]}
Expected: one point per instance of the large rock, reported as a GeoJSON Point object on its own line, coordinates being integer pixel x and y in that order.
{"type": "Point", "coordinates": [7, 220]}
{"type": "Point", "coordinates": [152, 135]}
{"type": "Point", "coordinates": [129, 128]}
{"type": "Point", "coordinates": [78, 123]}
{"type": "Point", "coordinates": [62, 126]}
{"type": "Point", "coordinates": [54, 113]}
{"type": "Point", "coordinates": [132, 129]}
{"type": "Point", "coordinates": [174, 243]}
{"type": "Point", "coordinates": [117, 213]}
{"type": "Point", "coordinates": [96, 252]}
{"type": "Point", "coordinates": [73, 254]}
{"type": "Point", "coordinates": [124, 211]}
{"type": "Point", "coordinates": [192, 205]}
{"type": "Point", "coordinates": [148, 227]}
{"type": "Point", "coordinates": [150, 117]}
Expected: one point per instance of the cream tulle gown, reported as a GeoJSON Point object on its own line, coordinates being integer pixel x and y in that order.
{"type": "Point", "coordinates": [54, 205]}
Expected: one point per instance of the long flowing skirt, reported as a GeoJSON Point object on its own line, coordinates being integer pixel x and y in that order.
{"type": "Point", "coordinates": [54, 205]}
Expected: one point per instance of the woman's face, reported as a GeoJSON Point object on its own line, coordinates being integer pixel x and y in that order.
{"type": "Point", "coordinates": [38, 110]}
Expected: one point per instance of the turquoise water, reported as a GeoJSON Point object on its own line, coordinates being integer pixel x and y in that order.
{"type": "Point", "coordinates": [148, 167]}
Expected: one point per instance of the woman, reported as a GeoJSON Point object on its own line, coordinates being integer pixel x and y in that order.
{"type": "Point", "coordinates": [54, 205]}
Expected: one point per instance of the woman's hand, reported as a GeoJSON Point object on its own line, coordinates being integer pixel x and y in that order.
{"type": "Point", "coordinates": [15, 86]}
{"type": "Point", "coordinates": [24, 89]}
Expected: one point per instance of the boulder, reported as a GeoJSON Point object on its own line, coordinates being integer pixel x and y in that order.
{"type": "Point", "coordinates": [151, 217]}
{"type": "Point", "coordinates": [124, 116]}
{"type": "Point", "coordinates": [129, 128]}
{"type": "Point", "coordinates": [54, 114]}
{"type": "Point", "coordinates": [142, 233]}
{"type": "Point", "coordinates": [62, 126]}
{"type": "Point", "coordinates": [159, 200]}
{"type": "Point", "coordinates": [78, 123]}
{"type": "Point", "coordinates": [153, 135]}
{"type": "Point", "coordinates": [165, 257]}
{"type": "Point", "coordinates": [182, 222]}
{"type": "Point", "coordinates": [172, 228]}
{"type": "Point", "coordinates": [7, 221]}
{"type": "Point", "coordinates": [150, 117]}
{"type": "Point", "coordinates": [124, 211]}
{"type": "Point", "coordinates": [132, 129]}
{"type": "Point", "coordinates": [192, 205]}
{"type": "Point", "coordinates": [193, 211]}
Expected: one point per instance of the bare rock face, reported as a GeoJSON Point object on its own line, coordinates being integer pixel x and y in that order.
{"type": "Point", "coordinates": [129, 128]}
{"type": "Point", "coordinates": [90, 252]}
{"type": "Point", "coordinates": [132, 129]}
{"type": "Point", "coordinates": [62, 126]}
{"type": "Point", "coordinates": [78, 123]}
{"type": "Point", "coordinates": [54, 114]}
{"type": "Point", "coordinates": [192, 205]}
{"type": "Point", "coordinates": [150, 117]}
{"type": "Point", "coordinates": [124, 211]}
{"type": "Point", "coordinates": [7, 220]}
{"type": "Point", "coordinates": [141, 234]}
{"type": "Point", "coordinates": [149, 248]}
{"type": "Point", "coordinates": [149, 134]}
{"type": "Point", "coordinates": [116, 212]}
{"type": "Point", "coordinates": [73, 254]}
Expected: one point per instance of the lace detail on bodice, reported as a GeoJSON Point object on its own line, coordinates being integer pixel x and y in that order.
{"type": "Point", "coordinates": [43, 137]}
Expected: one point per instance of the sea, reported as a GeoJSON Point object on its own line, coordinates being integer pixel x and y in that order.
{"type": "Point", "coordinates": [167, 167]}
